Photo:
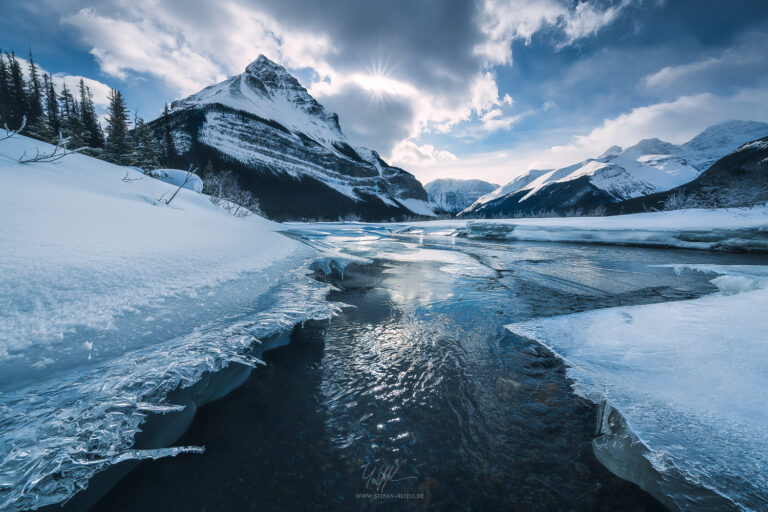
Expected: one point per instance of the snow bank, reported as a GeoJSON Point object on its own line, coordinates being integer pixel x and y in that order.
{"type": "Point", "coordinates": [689, 379]}
{"type": "Point", "coordinates": [111, 299]}
{"type": "Point", "coordinates": [724, 229]}
{"type": "Point", "coordinates": [418, 207]}
{"type": "Point", "coordinates": [180, 178]}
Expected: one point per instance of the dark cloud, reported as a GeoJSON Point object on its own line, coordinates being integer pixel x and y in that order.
{"type": "Point", "coordinates": [377, 123]}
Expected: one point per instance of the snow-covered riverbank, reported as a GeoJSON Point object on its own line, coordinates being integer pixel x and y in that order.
{"type": "Point", "coordinates": [717, 229]}
{"type": "Point", "coordinates": [688, 378]}
{"type": "Point", "coordinates": [110, 299]}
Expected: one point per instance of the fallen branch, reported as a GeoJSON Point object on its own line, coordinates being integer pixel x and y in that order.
{"type": "Point", "coordinates": [127, 178]}
{"type": "Point", "coordinates": [12, 133]}
{"type": "Point", "coordinates": [59, 152]}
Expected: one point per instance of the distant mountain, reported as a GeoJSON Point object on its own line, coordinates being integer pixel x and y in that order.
{"type": "Point", "coordinates": [738, 179]}
{"type": "Point", "coordinates": [288, 150]}
{"type": "Point", "coordinates": [452, 196]}
{"type": "Point", "coordinates": [648, 167]}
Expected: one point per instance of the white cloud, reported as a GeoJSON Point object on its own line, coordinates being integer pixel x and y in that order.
{"type": "Point", "coordinates": [192, 45]}
{"type": "Point", "coordinates": [675, 121]}
{"type": "Point", "coordinates": [100, 90]}
{"type": "Point", "coordinates": [504, 21]}
{"type": "Point", "coordinates": [144, 46]}
{"type": "Point", "coordinates": [670, 74]}
{"type": "Point", "coordinates": [409, 153]}
{"type": "Point", "coordinates": [190, 50]}
{"type": "Point", "coordinates": [744, 62]}
{"type": "Point", "coordinates": [586, 20]}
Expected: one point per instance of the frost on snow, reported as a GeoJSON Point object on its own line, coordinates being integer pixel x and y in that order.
{"type": "Point", "coordinates": [688, 378]}
{"type": "Point", "coordinates": [109, 300]}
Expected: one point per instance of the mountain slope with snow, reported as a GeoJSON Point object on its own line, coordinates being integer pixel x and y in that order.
{"type": "Point", "coordinates": [452, 196]}
{"type": "Point", "coordinates": [650, 166]}
{"type": "Point", "coordinates": [288, 150]}
{"type": "Point", "coordinates": [738, 179]}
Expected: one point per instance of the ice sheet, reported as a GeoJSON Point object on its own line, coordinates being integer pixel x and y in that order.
{"type": "Point", "coordinates": [689, 377]}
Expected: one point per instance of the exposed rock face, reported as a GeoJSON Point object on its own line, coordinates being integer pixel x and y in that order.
{"type": "Point", "coordinates": [288, 150]}
{"type": "Point", "coordinates": [617, 176]}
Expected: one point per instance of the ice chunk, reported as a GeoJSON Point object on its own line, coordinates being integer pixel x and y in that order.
{"type": "Point", "coordinates": [688, 377]}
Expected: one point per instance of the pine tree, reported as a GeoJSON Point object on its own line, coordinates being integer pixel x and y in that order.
{"type": "Point", "coordinates": [17, 94]}
{"type": "Point", "coordinates": [119, 145]}
{"type": "Point", "coordinates": [145, 153]}
{"type": "Point", "coordinates": [4, 78]}
{"type": "Point", "coordinates": [92, 134]}
{"type": "Point", "coordinates": [35, 116]}
{"type": "Point", "coordinates": [51, 106]}
{"type": "Point", "coordinates": [71, 123]}
{"type": "Point", "coordinates": [170, 155]}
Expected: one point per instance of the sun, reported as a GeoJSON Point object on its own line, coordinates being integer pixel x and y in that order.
{"type": "Point", "coordinates": [379, 82]}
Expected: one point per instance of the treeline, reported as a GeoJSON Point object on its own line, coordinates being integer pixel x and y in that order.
{"type": "Point", "coordinates": [69, 117]}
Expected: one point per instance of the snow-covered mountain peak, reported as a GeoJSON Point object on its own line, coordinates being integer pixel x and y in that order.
{"type": "Point", "coordinates": [262, 65]}
{"type": "Point", "coordinates": [720, 139]}
{"type": "Point", "coordinates": [265, 126]}
{"type": "Point", "coordinates": [452, 195]}
{"type": "Point", "coordinates": [652, 147]}
{"type": "Point", "coordinates": [723, 133]}
{"type": "Point", "coordinates": [268, 90]}
{"type": "Point", "coordinates": [611, 151]}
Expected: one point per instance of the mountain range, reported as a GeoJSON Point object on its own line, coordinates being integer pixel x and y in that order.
{"type": "Point", "coordinates": [649, 167]}
{"type": "Point", "coordinates": [740, 178]}
{"type": "Point", "coordinates": [288, 150]}
{"type": "Point", "coordinates": [452, 196]}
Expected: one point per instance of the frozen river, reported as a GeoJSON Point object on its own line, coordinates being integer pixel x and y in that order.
{"type": "Point", "coordinates": [417, 396]}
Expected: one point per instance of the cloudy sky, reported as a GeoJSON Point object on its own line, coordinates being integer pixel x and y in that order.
{"type": "Point", "coordinates": [468, 89]}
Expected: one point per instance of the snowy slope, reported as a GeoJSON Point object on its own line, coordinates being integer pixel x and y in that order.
{"type": "Point", "coordinates": [109, 300]}
{"type": "Point", "coordinates": [688, 378]}
{"type": "Point", "coordinates": [648, 167]}
{"type": "Point", "coordinates": [513, 186]}
{"type": "Point", "coordinates": [451, 195]}
{"type": "Point", "coordinates": [288, 149]}
{"type": "Point", "coordinates": [718, 140]}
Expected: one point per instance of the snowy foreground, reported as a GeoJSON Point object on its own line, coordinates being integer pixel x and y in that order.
{"type": "Point", "coordinates": [689, 379]}
{"type": "Point", "coordinates": [722, 229]}
{"type": "Point", "coordinates": [109, 300]}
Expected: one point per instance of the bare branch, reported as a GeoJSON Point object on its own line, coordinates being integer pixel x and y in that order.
{"type": "Point", "coordinates": [59, 152]}
{"type": "Point", "coordinates": [128, 179]}
{"type": "Point", "coordinates": [12, 133]}
{"type": "Point", "coordinates": [187, 178]}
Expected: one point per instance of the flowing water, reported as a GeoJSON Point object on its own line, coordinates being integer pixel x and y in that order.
{"type": "Point", "coordinates": [416, 397]}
